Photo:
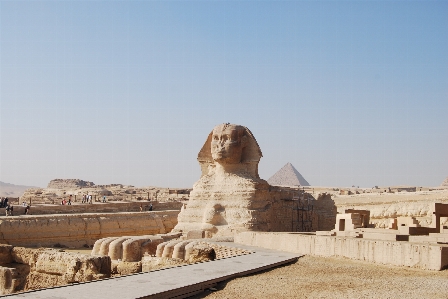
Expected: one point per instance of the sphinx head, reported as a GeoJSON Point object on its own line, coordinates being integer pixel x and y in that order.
{"type": "Point", "coordinates": [227, 144]}
{"type": "Point", "coordinates": [231, 146]}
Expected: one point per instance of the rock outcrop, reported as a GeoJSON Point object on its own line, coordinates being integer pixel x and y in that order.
{"type": "Point", "coordinates": [69, 184]}
{"type": "Point", "coordinates": [23, 269]}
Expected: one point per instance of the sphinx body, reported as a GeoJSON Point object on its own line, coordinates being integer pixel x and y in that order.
{"type": "Point", "coordinates": [229, 197]}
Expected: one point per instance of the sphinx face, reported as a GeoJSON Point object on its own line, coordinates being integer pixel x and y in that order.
{"type": "Point", "coordinates": [227, 144]}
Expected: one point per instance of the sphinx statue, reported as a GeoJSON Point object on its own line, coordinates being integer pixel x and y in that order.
{"type": "Point", "coordinates": [229, 197]}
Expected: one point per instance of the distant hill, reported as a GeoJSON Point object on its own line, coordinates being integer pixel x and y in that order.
{"type": "Point", "coordinates": [11, 190]}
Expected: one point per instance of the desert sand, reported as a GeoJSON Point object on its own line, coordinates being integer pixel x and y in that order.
{"type": "Point", "coordinates": [318, 277]}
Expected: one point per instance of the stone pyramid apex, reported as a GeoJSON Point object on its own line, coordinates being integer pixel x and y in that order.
{"type": "Point", "coordinates": [288, 176]}
{"type": "Point", "coordinates": [445, 183]}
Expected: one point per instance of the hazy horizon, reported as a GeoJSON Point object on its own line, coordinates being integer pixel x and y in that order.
{"type": "Point", "coordinates": [350, 93]}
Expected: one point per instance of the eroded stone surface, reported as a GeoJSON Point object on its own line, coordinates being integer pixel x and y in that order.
{"type": "Point", "coordinates": [77, 230]}
{"type": "Point", "coordinates": [230, 196]}
{"type": "Point", "coordinates": [30, 268]}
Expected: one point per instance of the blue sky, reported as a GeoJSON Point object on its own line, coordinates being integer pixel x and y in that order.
{"type": "Point", "coordinates": [349, 92]}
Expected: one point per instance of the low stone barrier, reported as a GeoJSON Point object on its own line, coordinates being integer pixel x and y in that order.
{"type": "Point", "coordinates": [108, 207]}
{"type": "Point", "coordinates": [397, 253]}
{"type": "Point", "coordinates": [77, 230]}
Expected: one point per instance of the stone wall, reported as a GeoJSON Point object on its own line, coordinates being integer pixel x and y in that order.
{"type": "Point", "coordinates": [114, 192]}
{"type": "Point", "coordinates": [109, 207]}
{"type": "Point", "coordinates": [397, 253]}
{"type": "Point", "coordinates": [303, 214]}
{"type": "Point", "coordinates": [77, 230]}
{"type": "Point", "coordinates": [23, 269]}
{"type": "Point", "coordinates": [384, 207]}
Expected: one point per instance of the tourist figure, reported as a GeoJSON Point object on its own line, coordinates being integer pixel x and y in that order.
{"type": "Point", "coordinates": [5, 203]}
{"type": "Point", "coordinates": [104, 198]}
{"type": "Point", "coordinates": [7, 210]}
{"type": "Point", "coordinates": [90, 199]}
{"type": "Point", "coordinates": [150, 207]}
{"type": "Point", "coordinates": [27, 209]}
{"type": "Point", "coordinates": [70, 200]}
{"type": "Point", "coordinates": [11, 210]}
{"type": "Point", "coordinates": [83, 198]}
{"type": "Point", "coordinates": [141, 208]}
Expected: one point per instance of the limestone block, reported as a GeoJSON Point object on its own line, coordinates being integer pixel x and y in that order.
{"type": "Point", "coordinates": [150, 263]}
{"type": "Point", "coordinates": [195, 234]}
{"type": "Point", "coordinates": [41, 268]}
{"type": "Point", "coordinates": [125, 268]}
{"type": "Point", "coordinates": [9, 280]}
{"type": "Point", "coordinates": [201, 252]}
{"type": "Point", "coordinates": [24, 255]}
{"type": "Point", "coordinates": [398, 253]}
{"type": "Point", "coordinates": [5, 254]}
{"type": "Point", "coordinates": [407, 221]}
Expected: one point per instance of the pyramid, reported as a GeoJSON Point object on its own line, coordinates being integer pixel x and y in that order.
{"type": "Point", "coordinates": [445, 183]}
{"type": "Point", "coordinates": [288, 176]}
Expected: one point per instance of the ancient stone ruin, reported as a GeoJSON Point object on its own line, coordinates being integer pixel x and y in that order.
{"type": "Point", "coordinates": [230, 197]}
{"type": "Point", "coordinates": [445, 183]}
{"type": "Point", "coordinates": [24, 269]}
{"type": "Point", "coordinates": [288, 176]}
{"type": "Point", "coordinates": [68, 183]}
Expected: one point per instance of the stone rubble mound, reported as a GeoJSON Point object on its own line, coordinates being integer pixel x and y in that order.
{"type": "Point", "coordinates": [68, 183]}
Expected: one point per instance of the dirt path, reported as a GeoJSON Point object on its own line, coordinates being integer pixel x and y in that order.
{"type": "Point", "coordinates": [316, 277]}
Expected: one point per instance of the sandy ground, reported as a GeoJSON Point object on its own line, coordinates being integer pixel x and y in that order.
{"type": "Point", "coordinates": [317, 277]}
{"type": "Point", "coordinates": [82, 250]}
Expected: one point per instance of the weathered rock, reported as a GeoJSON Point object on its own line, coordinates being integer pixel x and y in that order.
{"type": "Point", "coordinates": [199, 252]}
{"type": "Point", "coordinates": [82, 229]}
{"type": "Point", "coordinates": [40, 268]}
{"type": "Point", "coordinates": [68, 183]}
{"type": "Point", "coordinates": [5, 254]}
{"type": "Point", "coordinates": [125, 268]}
{"type": "Point", "coordinates": [230, 196]}
{"type": "Point", "coordinates": [150, 263]}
